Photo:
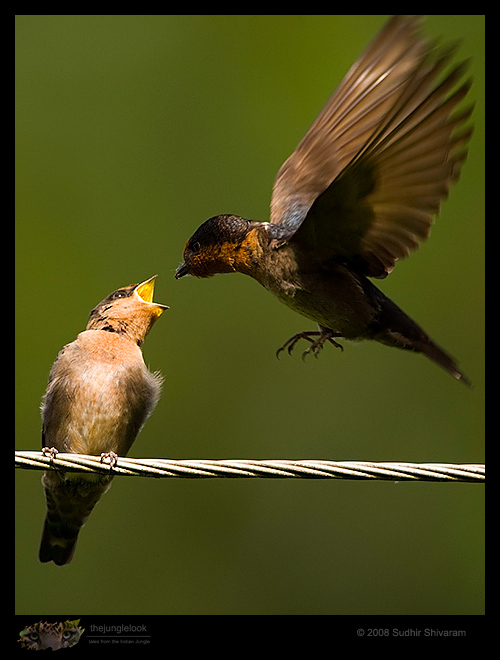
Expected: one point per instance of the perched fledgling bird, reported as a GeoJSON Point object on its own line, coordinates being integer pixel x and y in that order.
{"type": "Point", "coordinates": [99, 395]}
{"type": "Point", "coordinates": [358, 193]}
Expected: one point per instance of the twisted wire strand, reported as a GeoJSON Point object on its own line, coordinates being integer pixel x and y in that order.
{"type": "Point", "coordinates": [238, 468]}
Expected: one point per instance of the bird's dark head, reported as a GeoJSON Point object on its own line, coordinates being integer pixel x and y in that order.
{"type": "Point", "coordinates": [129, 311]}
{"type": "Point", "coordinates": [217, 246]}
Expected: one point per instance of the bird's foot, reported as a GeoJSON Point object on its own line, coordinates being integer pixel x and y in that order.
{"type": "Point", "coordinates": [316, 344]}
{"type": "Point", "coordinates": [110, 458]}
{"type": "Point", "coordinates": [50, 452]}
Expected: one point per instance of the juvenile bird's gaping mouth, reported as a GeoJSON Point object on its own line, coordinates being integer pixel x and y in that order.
{"type": "Point", "coordinates": [146, 289]}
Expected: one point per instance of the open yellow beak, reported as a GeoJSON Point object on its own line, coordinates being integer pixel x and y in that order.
{"type": "Point", "coordinates": [145, 291]}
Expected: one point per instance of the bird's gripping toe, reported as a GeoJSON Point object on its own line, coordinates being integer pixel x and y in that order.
{"type": "Point", "coordinates": [316, 344]}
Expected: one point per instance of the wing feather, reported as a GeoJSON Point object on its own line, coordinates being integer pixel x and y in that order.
{"type": "Point", "coordinates": [365, 182]}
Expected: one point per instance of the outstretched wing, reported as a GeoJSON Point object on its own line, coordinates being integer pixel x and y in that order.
{"type": "Point", "coordinates": [365, 182]}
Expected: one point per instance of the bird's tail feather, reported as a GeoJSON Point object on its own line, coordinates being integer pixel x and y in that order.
{"type": "Point", "coordinates": [58, 541]}
{"type": "Point", "coordinates": [396, 328]}
{"type": "Point", "coordinates": [438, 355]}
{"type": "Point", "coordinates": [69, 503]}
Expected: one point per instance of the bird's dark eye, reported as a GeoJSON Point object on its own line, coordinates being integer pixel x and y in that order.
{"type": "Point", "coordinates": [118, 294]}
{"type": "Point", "coordinates": [195, 248]}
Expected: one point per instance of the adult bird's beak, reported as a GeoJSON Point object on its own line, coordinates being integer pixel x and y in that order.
{"type": "Point", "coordinates": [182, 270]}
{"type": "Point", "coordinates": [145, 291]}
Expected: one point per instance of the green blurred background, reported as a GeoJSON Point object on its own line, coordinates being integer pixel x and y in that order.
{"type": "Point", "coordinates": [131, 131]}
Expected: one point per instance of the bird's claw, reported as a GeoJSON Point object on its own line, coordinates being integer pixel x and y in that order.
{"type": "Point", "coordinates": [290, 344]}
{"type": "Point", "coordinates": [110, 458]}
{"type": "Point", "coordinates": [50, 452]}
{"type": "Point", "coordinates": [316, 344]}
